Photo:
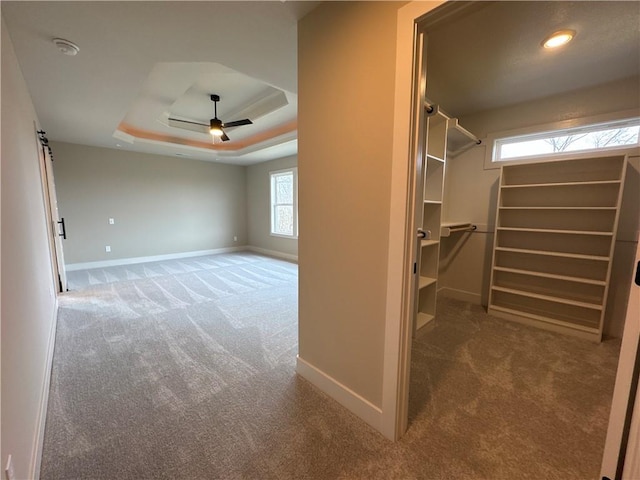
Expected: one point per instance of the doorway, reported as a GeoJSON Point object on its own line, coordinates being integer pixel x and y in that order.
{"type": "Point", "coordinates": [478, 177]}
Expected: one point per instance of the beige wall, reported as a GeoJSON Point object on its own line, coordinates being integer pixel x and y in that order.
{"type": "Point", "coordinates": [346, 71]}
{"type": "Point", "coordinates": [471, 191]}
{"type": "Point", "coordinates": [161, 205]}
{"type": "Point", "coordinates": [259, 211]}
{"type": "Point", "coordinates": [28, 297]}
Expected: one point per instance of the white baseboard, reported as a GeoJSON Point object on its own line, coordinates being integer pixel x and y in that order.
{"type": "Point", "coordinates": [273, 253]}
{"type": "Point", "coordinates": [463, 295]}
{"type": "Point", "coordinates": [343, 395]}
{"type": "Point", "coordinates": [38, 440]}
{"type": "Point", "coordinates": [153, 258]}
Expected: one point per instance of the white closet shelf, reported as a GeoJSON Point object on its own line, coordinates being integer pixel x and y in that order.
{"type": "Point", "coordinates": [558, 208]}
{"type": "Point", "coordinates": [551, 267]}
{"type": "Point", "coordinates": [423, 319]}
{"type": "Point", "coordinates": [428, 243]}
{"type": "Point", "coordinates": [568, 278]}
{"type": "Point", "coordinates": [562, 184]}
{"type": "Point", "coordinates": [566, 325]}
{"type": "Point", "coordinates": [552, 230]}
{"type": "Point", "coordinates": [425, 282]}
{"type": "Point", "coordinates": [553, 254]}
{"type": "Point", "coordinates": [443, 135]}
{"type": "Point", "coordinates": [549, 298]}
{"type": "Point", "coordinates": [459, 139]}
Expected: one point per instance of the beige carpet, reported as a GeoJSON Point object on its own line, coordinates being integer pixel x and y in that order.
{"type": "Point", "coordinates": [186, 370]}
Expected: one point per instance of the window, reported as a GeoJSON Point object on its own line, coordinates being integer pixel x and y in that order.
{"type": "Point", "coordinates": [284, 203]}
{"type": "Point", "coordinates": [601, 136]}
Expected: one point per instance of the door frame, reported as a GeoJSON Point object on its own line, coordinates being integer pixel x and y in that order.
{"type": "Point", "coordinates": [410, 87]}
{"type": "Point", "coordinates": [413, 21]}
{"type": "Point", "coordinates": [623, 433]}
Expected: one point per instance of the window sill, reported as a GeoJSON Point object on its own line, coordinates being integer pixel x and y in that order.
{"type": "Point", "coordinates": [279, 235]}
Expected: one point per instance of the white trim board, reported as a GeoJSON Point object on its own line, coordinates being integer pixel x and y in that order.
{"type": "Point", "coordinates": [463, 295]}
{"type": "Point", "coordinates": [341, 394]}
{"type": "Point", "coordinates": [38, 438]}
{"type": "Point", "coordinates": [152, 258]}
{"type": "Point", "coordinates": [273, 253]}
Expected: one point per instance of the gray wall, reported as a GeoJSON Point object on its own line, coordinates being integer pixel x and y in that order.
{"type": "Point", "coordinates": [28, 297]}
{"type": "Point", "coordinates": [259, 207]}
{"type": "Point", "coordinates": [344, 168]}
{"type": "Point", "coordinates": [471, 192]}
{"type": "Point", "coordinates": [161, 205]}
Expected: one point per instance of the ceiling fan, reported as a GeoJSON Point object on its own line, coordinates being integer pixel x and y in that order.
{"type": "Point", "coordinates": [215, 127]}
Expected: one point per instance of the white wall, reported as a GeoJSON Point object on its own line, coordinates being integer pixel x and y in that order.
{"type": "Point", "coordinates": [161, 205]}
{"type": "Point", "coordinates": [259, 211]}
{"type": "Point", "coordinates": [28, 297]}
{"type": "Point", "coordinates": [471, 191]}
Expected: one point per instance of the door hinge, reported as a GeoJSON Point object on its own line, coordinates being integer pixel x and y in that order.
{"type": "Point", "coordinates": [415, 267]}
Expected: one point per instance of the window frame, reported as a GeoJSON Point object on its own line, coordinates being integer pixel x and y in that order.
{"type": "Point", "coordinates": [272, 175]}
{"type": "Point", "coordinates": [557, 127]}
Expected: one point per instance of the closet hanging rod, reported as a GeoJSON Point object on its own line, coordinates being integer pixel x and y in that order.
{"type": "Point", "coordinates": [469, 228]}
{"type": "Point", "coordinates": [448, 228]}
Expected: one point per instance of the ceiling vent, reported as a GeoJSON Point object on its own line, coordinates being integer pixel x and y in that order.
{"type": "Point", "coordinates": [66, 47]}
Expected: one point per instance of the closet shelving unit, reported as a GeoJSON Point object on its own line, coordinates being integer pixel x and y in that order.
{"type": "Point", "coordinates": [554, 242]}
{"type": "Point", "coordinates": [443, 135]}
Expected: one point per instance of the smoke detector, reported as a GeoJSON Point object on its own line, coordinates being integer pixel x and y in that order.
{"type": "Point", "coordinates": [66, 47]}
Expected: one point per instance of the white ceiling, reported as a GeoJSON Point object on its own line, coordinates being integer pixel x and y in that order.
{"type": "Point", "coordinates": [143, 62]}
{"type": "Point", "coordinates": [491, 55]}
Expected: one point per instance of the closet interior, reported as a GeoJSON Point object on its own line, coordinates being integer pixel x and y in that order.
{"type": "Point", "coordinates": [555, 234]}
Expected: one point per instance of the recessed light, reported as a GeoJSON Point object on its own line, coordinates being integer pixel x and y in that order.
{"type": "Point", "coordinates": [118, 145]}
{"type": "Point", "coordinates": [557, 39]}
{"type": "Point", "coordinates": [66, 47]}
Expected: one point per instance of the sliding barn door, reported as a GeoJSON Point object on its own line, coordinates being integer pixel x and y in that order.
{"type": "Point", "coordinates": [57, 228]}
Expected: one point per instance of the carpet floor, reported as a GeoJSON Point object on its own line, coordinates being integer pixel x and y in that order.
{"type": "Point", "coordinates": [186, 369]}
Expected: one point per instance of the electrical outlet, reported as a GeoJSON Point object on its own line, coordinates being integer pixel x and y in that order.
{"type": "Point", "coordinates": [107, 249]}
{"type": "Point", "coordinates": [235, 239]}
{"type": "Point", "coordinates": [9, 474]}
{"type": "Point", "coordinates": [111, 221]}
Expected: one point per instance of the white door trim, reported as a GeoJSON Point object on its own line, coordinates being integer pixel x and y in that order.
{"type": "Point", "coordinates": [395, 386]}
{"type": "Point", "coordinates": [622, 422]}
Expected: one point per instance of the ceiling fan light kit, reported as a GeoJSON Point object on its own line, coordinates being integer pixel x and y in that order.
{"type": "Point", "coordinates": [216, 126]}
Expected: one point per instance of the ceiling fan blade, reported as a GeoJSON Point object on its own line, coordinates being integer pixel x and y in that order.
{"type": "Point", "coordinates": [224, 137]}
{"type": "Point", "coordinates": [186, 125]}
{"type": "Point", "coordinates": [237, 123]}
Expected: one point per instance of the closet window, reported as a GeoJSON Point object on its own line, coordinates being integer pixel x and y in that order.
{"type": "Point", "coordinates": [601, 136]}
{"type": "Point", "coordinates": [284, 203]}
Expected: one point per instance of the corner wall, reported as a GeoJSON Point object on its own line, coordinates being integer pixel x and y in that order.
{"type": "Point", "coordinates": [258, 209]}
{"type": "Point", "coordinates": [28, 297]}
{"type": "Point", "coordinates": [346, 73]}
{"type": "Point", "coordinates": [160, 205]}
